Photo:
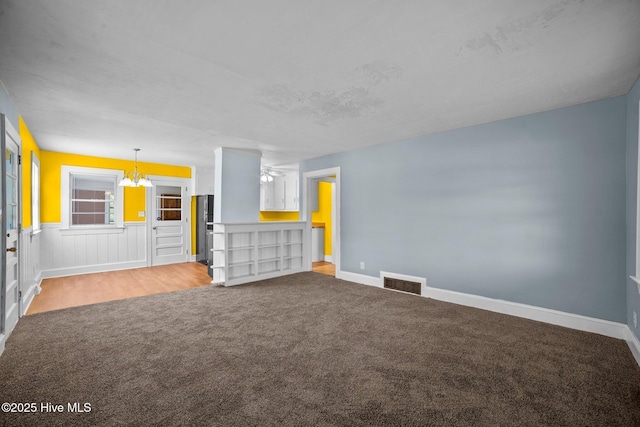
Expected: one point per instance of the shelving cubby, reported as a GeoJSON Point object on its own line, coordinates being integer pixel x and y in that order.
{"type": "Point", "coordinates": [253, 251]}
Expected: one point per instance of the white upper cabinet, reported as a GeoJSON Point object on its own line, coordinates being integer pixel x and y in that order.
{"type": "Point", "coordinates": [266, 196]}
{"type": "Point", "coordinates": [278, 193]}
{"type": "Point", "coordinates": [281, 194]}
{"type": "Point", "coordinates": [291, 191]}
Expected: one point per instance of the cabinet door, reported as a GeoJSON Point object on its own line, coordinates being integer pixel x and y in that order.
{"type": "Point", "coordinates": [291, 191]}
{"type": "Point", "coordinates": [278, 192]}
{"type": "Point", "coordinates": [266, 196]}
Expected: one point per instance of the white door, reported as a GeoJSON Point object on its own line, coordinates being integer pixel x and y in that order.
{"type": "Point", "coordinates": [170, 229]}
{"type": "Point", "coordinates": [11, 228]}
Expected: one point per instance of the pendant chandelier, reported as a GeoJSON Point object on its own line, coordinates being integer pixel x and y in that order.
{"type": "Point", "coordinates": [135, 178]}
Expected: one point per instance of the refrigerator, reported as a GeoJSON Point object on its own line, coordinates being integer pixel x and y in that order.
{"type": "Point", "coordinates": [204, 227]}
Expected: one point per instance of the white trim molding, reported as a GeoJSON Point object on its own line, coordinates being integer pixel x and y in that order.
{"type": "Point", "coordinates": [65, 193]}
{"type": "Point", "coordinates": [30, 272]}
{"type": "Point", "coordinates": [634, 345]}
{"type": "Point", "coordinates": [540, 314]}
{"type": "Point", "coordinates": [305, 213]}
{"type": "Point", "coordinates": [358, 278]}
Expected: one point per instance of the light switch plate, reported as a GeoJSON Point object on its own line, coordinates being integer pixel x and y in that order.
{"type": "Point", "coordinates": [140, 214]}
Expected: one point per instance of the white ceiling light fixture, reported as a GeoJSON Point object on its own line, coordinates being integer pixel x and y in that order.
{"type": "Point", "coordinates": [266, 176]}
{"type": "Point", "coordinates": [135, 178]}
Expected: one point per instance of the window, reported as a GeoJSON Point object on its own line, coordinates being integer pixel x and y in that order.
{"type": "Point", "coordinates": [169, 203]}
{"type": "Point", "coordinates": [91, 197]}
{"type": "Point", "coordinates": [92, 200]}
{"type": "Point", "coordinates": [35, 192]}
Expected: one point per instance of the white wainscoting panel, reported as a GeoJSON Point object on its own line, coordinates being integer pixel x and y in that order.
{"type": "Point", "coordinates": [30, 271]}
{"type": "Point", "coordinates": [66, 252]}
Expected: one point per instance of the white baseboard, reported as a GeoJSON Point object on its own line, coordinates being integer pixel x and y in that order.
{"type": "Point", "coordinates": [634, 345]}
{"type": "Point", "coordinates": [86, 269]}
{"type": "Point", "coordinates": [38, 281]}
{"type": "Point", "coordinates": [28, 298]}
{"type": "Point", "coordinates": [540, 314]}
{"type": "Point", "coordinates": [328, 258]}
{"type": "Point", "coordinates": [359, 278]}
{"type": "Point", "coordinates": [2, 340]}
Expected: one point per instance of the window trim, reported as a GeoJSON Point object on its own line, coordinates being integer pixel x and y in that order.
{"type": "Point", "coordinates": [36, 224]}
{"type": "Point", "coordinates": [65, 194]}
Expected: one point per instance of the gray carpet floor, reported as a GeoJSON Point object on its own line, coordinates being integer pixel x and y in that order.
{"type": "Point", "coordinates": [308, 349]}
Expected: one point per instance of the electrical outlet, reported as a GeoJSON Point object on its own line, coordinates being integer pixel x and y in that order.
{"type": "Point", "coordinates": [635, 320]}
{"type": "Point", "coordinates": [140, 214]}
{"type": "Point", "coordinates": [361, 265]}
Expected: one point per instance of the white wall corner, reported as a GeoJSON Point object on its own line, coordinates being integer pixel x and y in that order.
{"type": "Point", "coordinates": [328, 258]}
{"type": "Point", "coordinates": [637, 281]}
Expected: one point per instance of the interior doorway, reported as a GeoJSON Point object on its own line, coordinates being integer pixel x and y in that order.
{"type": "Point", "coordinates": [169, 208]}
{"type": "Point", "coordinates": [316, 200]}
{"type": "Point", "coordinates": [322, 227]}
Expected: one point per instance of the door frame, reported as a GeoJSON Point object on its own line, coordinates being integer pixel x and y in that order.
{"type": "Point", "coordinates": [307, 179]}
{"type": "Point", "coordinates": [7, 128]}
{"type": "Point", "coordinates": [186, 211]}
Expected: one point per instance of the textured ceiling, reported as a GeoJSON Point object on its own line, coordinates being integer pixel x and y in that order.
{"type": "Point", "coordinates": [300, 79]}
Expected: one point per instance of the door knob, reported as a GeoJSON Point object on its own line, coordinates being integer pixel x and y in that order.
{"type": "Point", "coordinates": [153, 228]}
{"type": "Point", "coordinates": [11, 249]}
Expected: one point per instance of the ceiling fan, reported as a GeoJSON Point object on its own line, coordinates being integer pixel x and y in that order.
{"type": "Point", "coordinates": [266, 175]}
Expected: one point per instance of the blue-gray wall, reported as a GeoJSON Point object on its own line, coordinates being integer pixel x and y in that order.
{"type": "Point", "coordinates": [7, 108]}
{"type": "Point", "coordinates": [530, 209]}
{"type": "Point", "coordinates": [236, 186]}
{"type": "Point", "coordinates": [633, 299]}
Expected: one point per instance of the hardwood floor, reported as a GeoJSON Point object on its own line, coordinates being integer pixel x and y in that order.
{"type": "Point", "coordinates": [73, 291]}
{"type": "Point", "coordinates": [324, 268]}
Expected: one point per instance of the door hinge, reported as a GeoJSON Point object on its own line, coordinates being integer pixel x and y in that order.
{"type": "Point", "coordinates": [19, 295]}
{"type": "Point", "coordinates": [19, 159]}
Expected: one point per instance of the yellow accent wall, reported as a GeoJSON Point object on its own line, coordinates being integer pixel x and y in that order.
{"type": "Point", "coordinates": [51, 163]}
{"type": "Point", "coordinates": [279, 216]}
{"type": "Point", "coordinates": [29, 146]}
{"type": "Point", "coordinates": [323, 214]}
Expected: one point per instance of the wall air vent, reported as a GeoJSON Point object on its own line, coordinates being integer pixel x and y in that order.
{"type": "Point", "coordinates": [402, 285]}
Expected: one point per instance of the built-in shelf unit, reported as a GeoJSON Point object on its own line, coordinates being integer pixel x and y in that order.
{"type": "Point", "coordinates": [246, 252]}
